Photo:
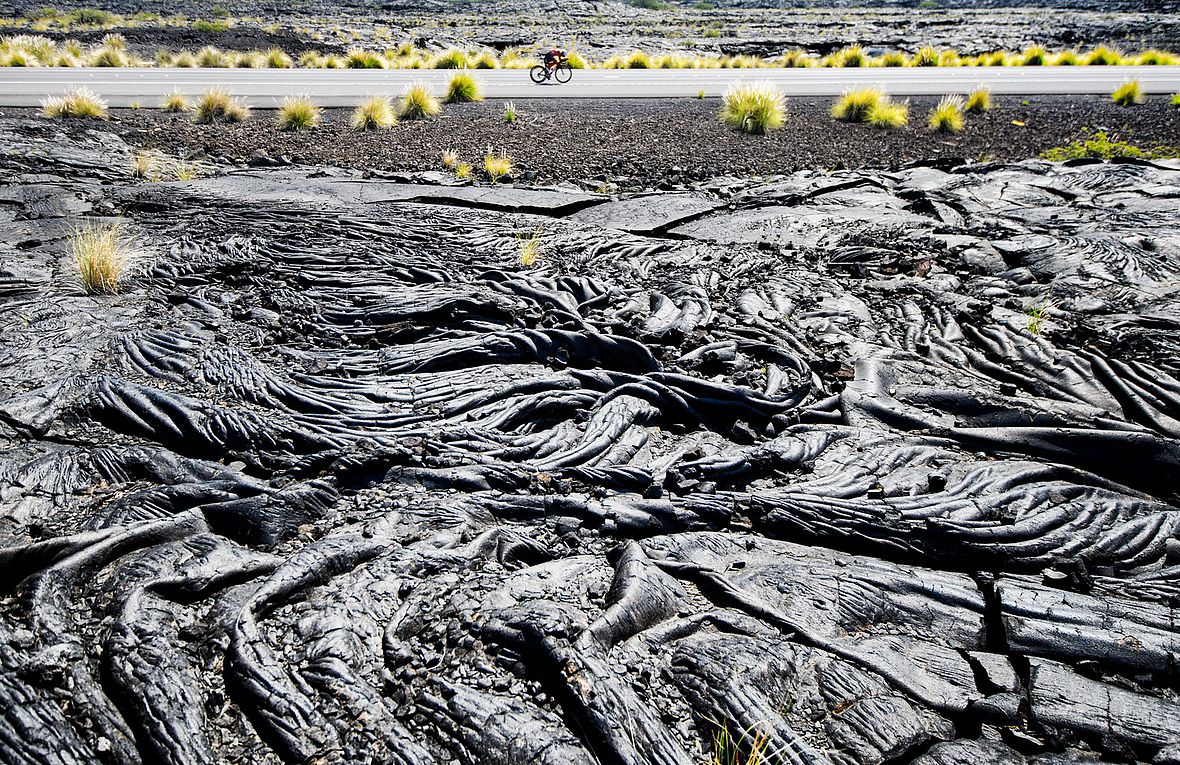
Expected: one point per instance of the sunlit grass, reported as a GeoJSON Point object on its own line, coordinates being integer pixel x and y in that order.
{"type": "Point", "coordinates": [217, 105]}
{"type": "Point", "coordinates": [450, 59]}
{"type": "Point", "coordinates": [363, 59]}
{"type": "Point", "coordinates": [276, 59]}
{"type": "Point", "coordinates": [1104, 56]}
{"type": "Point", "coordinates": [947, 117]}
{"type": "Point", "coordinates": [462, 89]}
{"type": "Point", "coordinates": [80, 103]}
{"type": "Point", "coordinates": [926, 56]}
{"type": "Point", "coordinates": [1128, 94]}
{"type": "Point", "coordinates": [851, 56]}
{"type": "Point", "coordinates": [497, 166]}
{"type": "Point", "coordinates": [375, 113]}
{"type": "Point", "coordinates": [978, 101]}
{"type": "Point", "coordinates": [1035, 56]}
{"type": "Point", "coordinates": [102, 255]}
{"type": "Point", "coordinates": [174, 103]}
{"type": "Point", "coordinates": [1155, 57]}
{"type": "Point", "coordinates": [211, 58]}
{"type": "Point", "coordinates": [298, 113]}
{"type": "Point", "coordinates": [854, 105]}
{"type": "Point", "coordinates": [888, 115]}
{"type": "Point", "coordinates": [754, 108]}
{"type": "Point", "coordinates": [418, 102]}
{"type": "Point", "coordinates": [530, 247]}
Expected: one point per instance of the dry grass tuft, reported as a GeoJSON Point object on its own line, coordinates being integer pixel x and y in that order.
{"type": "Point", "coordinates": [418, 102]}
{"type": "Point", "coordinates": [1128, 94]}
{"type": "Point", "coordinates": [298, 113]}
{"type": "Point", "coordinates": [102, 255]}
{"type": "Point", "coordinates": [217, 105]}
{"type": "Point", "coordinates": [463, 88]}
{"type": "Point", "coordinates": [79, 103]}
{"type": "Point", "coordinates": [755, 108]}
{"type": "Point", "coordinates": [947, 117]}
{"type": "Point", "coordinates": [888, 115]}
{"type": "Point", "coordinates": [855, 105]}
{"type": "Point", "coordinates": [374, 114]}
{"type": "Point", "coordinates": [174, 103]}
{"type": "Point", "coordinates": [497, 166]}
{"type": "Point", "coordinates": [978, 101]}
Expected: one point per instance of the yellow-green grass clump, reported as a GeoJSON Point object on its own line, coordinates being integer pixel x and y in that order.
{"type": "Point", "coordinates": [363, 59]}
{"type": "Point", "coordinates": [530, 247]}
{"type": "Point", "coordinates": [102, 255]}
{"type": "Point", "coordinates": [375, 113]}
{"type": "Point", "coordinates": [276, 59]}
{"type": "Point", "coordinates": [510, 113]}
{"type": "Point", "coordinates": [1155, 57]}
{"type": "Point", "coordinates": [852, 56]}
{"type": "Point", "coordinates": [796, 58]}
{"type": "Point", "coordinates": [636, 59]}
{"type": "Point", "coordinates": [485, 60]}
{"type": "Point", "coordinates": [888, 115]}
{"type": "Point", "coordinates": [497, 166]}
{"type": "Point", "coordinates": [1128, 94]}
{"type": "Point", "coordinates": [1035, 56]}
{"type": "Point", "coordinates": [893, 59]}
{"type": "Point", "coordinates": [450, 159]}
{"type": "Point", "coordinates": [754, 108]}
{"type": "Point", "coordinates": [247, 60]}
{"type": "Point", "coordinates": [217, 105]}
{"type": "Point", "coordinates": [1103, 146]}
{"type": "Point", "coordinates": [1176, 100]}
{"type": "Point", "coordinates": [419, 102]}
{"type": "Point", "coordinates": [174, 103]}
{"type": "Point", "coordinates": [978, 101]}
{"type": "Point", "coordinates": [80, 103]}
{"type": "Point", "coordinates": [515, 59]}
{"type": "Point", "coordinates": [854, 105]}
{"type": "Point", "coordinates": [462, 89]}
{"type": "Point", "coordinates": [926, 56]}
{"type": "Point", "coordinates": [1104, 56]}
{"type": "Point", "coordinates": [947, 117]}
{"type": "Point", "coordinates": [450, 59]}
{"type": "Point", "coordinates": [298, 113]}
{"type": "Point", "coordinates": [211, 58]}
{"type": "Point", "coordinates": [108, 56]}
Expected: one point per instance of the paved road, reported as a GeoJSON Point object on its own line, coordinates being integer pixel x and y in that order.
{"type": "Point", "coordinates": [265, 87]}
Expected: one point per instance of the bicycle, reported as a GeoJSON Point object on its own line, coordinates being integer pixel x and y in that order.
{"type": "Point", "coordinates": [541, 73]}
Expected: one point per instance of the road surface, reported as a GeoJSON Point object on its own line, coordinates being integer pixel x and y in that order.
{"type": "Point", "coordinates": [335, 87]}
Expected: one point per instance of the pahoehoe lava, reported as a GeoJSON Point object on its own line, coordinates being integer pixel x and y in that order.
{"type": "Point", "coordinates": [881, 464]}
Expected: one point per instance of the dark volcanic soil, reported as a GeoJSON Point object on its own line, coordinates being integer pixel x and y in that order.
{"type": "Point", "coordinates": [649, 142]}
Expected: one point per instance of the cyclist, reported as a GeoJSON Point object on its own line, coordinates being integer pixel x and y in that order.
{"type": "Point", "coordinates": [553, 57]}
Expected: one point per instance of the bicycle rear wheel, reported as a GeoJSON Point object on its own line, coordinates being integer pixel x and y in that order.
{"type": "Point", "coordinates": [563, 73]}
{"type": "Point", "coordinates": [539, 74]}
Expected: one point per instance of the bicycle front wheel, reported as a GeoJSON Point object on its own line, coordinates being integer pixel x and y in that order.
{"type": "Point", "coordinates": [563, 73]}
{"type": "Point", "coordinates": [539, 74]}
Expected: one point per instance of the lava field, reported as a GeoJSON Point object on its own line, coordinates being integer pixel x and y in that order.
{"type": "Point", "coordinates": [881, 467]}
